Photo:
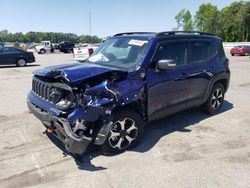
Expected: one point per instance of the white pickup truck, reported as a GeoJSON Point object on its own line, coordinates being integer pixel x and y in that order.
{"type": "Point", "coordinates": [82, 53]}
{"type": "Point", "coordinates": [46, 46]}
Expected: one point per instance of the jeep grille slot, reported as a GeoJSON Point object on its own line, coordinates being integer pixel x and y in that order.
{"type": "Point", "coordinates": [41, 89]}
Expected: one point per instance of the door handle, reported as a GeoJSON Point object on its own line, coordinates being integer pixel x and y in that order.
{"type": "Point", "coordinates": [208, 72]}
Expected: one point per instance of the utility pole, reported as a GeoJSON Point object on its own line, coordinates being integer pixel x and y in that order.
{"type": "Point", "coordinates": [90, 32]}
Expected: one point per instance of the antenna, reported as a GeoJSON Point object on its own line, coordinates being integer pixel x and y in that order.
{"type": "Point", "coordinates": [90, 20]}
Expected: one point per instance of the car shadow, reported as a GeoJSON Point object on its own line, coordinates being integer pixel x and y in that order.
{"type": "Point", "coordinates": [83, 162]}
{"type": "Point", "coordinates": [154, 131]}
{"type": "Point", "coordinates": [179, 122]}
{"type": "Point", "coordinates": [14, 66]}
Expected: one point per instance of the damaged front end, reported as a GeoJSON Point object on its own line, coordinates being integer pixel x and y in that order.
{"type": "Point", "coordinates": [80, 111]}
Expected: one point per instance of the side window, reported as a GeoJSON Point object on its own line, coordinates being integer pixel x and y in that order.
{"type": "Point", "coordinates": [201, 51]}
{"type": "Point", "coordinates": [177, 51]}
{"type": "Point", "coordinates": [9, 50]}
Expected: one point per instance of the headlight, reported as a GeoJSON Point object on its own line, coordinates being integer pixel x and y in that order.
{"type": "Point", "coordinates": [61, 98]}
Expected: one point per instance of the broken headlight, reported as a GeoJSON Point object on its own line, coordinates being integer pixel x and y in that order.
{"type": "Point", "coordinates": [63, 99]}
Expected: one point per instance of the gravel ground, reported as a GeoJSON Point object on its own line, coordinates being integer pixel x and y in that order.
{"type": "Point", "coordinates": [189, 149]}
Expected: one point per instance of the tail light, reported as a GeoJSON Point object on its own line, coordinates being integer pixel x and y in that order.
{"type": "Point", "coordinates": [91, 51]}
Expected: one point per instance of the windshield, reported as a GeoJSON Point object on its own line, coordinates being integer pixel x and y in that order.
{"type": "Point", "coordinates": [120, 53]}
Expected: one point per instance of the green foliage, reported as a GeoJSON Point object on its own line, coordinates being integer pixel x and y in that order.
{"type": "Point", "coordinates": [232, 23]}
{"type": "Point", "coordinates": [206, 18]}
{"type": "Point", "coordinates": [6, 36]}
{"type": "Point", "coordinates": [184, 20]}
{"type": "Point", "coordinates": [235, 22]}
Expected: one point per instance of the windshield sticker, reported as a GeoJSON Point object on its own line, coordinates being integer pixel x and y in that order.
{"type": "Point", "coordinates": [137, 42]}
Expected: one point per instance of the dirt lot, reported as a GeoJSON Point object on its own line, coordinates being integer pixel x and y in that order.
{"type": "Point", "coordinates": [189, 149]}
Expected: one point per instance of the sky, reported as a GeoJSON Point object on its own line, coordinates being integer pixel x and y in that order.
{"type": "Point", "coordinates": [107, 16]}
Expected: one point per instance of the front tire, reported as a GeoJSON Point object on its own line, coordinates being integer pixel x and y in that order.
{"type": "Point", "coordinates": [42, 51]}
{"type": "Point", "coordinates": [215, 99]}
{"type": "Point", "coordinates": [125, 133]}
{"type": "Point", "coordinates": [21, 62]}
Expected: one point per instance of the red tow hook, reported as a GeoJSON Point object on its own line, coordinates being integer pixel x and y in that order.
{"type": "Point", "coordinates": [50, 130]}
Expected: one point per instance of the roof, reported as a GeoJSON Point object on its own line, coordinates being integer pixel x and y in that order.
{"type": "Point", "coordinates": [166, 34]}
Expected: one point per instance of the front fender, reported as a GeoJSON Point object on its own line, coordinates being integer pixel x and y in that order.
{"type": "Point", "coordinates": [124, 92]}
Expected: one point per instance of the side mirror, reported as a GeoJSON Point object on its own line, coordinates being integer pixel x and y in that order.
{"type": "Point", "coordinates": [166, 64]}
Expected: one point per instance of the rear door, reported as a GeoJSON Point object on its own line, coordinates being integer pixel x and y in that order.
{"type": "Point", "coordinates": [168, 90]}
{"type": "Point", "coordinates": [203, 53]}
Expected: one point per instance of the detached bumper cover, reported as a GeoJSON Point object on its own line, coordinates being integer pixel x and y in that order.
{"type": "Point", "coordinates": [73, 143]}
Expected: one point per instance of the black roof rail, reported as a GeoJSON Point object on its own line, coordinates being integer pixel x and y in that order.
{"type": "Point", "coordinates": [183, 32]}
{"type": "Point", "coordinates": [132, 33]}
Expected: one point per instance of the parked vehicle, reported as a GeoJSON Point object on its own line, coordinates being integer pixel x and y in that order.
{"type": "Point", "coordinates": [11, 55]}
{"type": "Point", "coordinates": [46, 46]}
{"type": "Point", "coordinates": [66, 46]}
{"type": "Point", "coordinates": [22, 46]}
{"type": "Point", "coordinates": [129, 81]}
{"type": "Point", "coordinates": [56, 46]}
{"type": "Point", "coordinates": [240, 50]}
{"type": "Point", "coordinates": [83, 53]}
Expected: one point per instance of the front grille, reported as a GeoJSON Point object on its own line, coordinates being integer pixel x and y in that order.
{"type": "Point", "coordinates": [42, 89]}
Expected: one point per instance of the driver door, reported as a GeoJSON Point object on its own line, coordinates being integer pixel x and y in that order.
{"type": "Point", "coordinates": [167, 91]}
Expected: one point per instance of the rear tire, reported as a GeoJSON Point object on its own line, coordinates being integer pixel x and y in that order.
{"type": "Point", "coordinates": [215, 99]}
{"type": "Point", "coordinates": [21, 62]}
{"type": "Point", "coordinates": [232, 54]}
{"type": "Point", "coordinates": [125, 133]}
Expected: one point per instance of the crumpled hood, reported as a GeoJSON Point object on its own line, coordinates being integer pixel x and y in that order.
{"type": "Point", "coordinates": [72, 72]}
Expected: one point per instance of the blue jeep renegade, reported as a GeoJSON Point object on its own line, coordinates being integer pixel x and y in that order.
{"type": "Point", "coordinates": [130, 80]}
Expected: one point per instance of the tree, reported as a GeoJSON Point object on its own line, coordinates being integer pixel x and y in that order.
{"type": "Point", "coordinates": [231, 23]}
{"type": "Point", "coordinates": [184, 20]}
{"type": "Point", "coordinates": [31, 36]}
{"type": "Point", "coordinates": [206, 18]}
{"type": "Point", "coordinates": [234, 22]}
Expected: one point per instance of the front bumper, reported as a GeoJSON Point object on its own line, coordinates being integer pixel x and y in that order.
{"type": "Point", "coordinates": [62, 130]}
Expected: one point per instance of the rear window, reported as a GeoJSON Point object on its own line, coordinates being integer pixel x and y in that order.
{"type": "Point", "coordinates": [201, 51]}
